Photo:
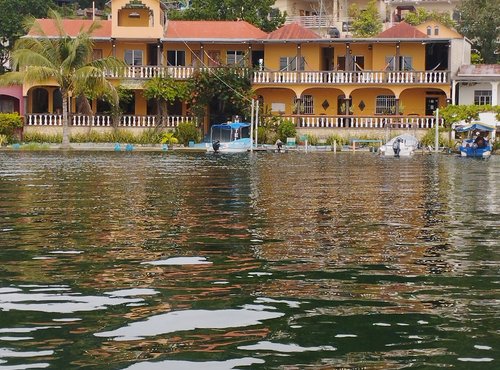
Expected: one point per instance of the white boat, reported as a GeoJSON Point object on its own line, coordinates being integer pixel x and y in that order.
{"type": "Point", "coordinates": [406, 143]}
{"type": "Point", "coordinates": [232, 137]}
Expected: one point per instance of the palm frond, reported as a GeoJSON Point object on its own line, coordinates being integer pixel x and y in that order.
{"type": "Point", "coordinates": [12, 78]}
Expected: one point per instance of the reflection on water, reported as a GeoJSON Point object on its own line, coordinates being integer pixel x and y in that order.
{"type": "Point", "coordinates": [172, 261]}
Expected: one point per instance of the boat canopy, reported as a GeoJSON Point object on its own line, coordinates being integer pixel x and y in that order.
{"type": "Point", "coordinates": [406, 138]}
{"type": "Point", "coordinates": [475, 126]}
{"type": "Point", "coordinates": [230, 126]}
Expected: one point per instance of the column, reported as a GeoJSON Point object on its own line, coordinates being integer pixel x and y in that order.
{"type": "Point", "coordinates": [299, 57]}
{"type": "Point", "coordinates": [397, 67]}
{"type": "Point", "coordinates": [494, 92]}
{"type": "Point", "coordinates": [454, 93]}
{"type": "Point", "coordinates": [396, 106]}
{"type": "Point", "coordinates": [348, 56]}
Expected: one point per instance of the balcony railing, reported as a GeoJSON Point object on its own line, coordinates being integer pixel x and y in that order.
{"type": "Point", "coordinates": [78, 120]}
{"type": "Point", "coordinates": [293, 77]}
{"type": "Point", "coordinates": [354, 77]}
{"type": "Point", "coordinates": [375, 122]}
{"type": "Point", "coordinates": [301, 121]}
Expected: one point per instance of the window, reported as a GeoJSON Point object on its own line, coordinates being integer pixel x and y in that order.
{"type": "Point", "coordinates": [235, 57]}
{"type": "Point", "coordinates": [436, 30]}
{"type": "Point", "coordinates": [290, 64]}
{"type": "Point", "coordinates": [304, 105]}
{"type": "Point", "coordinates": [405, 63]}
{"type": "Point", "coordinates": [482, 97]}
{"type": "Point", "coordinates": [429, 30]}
{"type": "Point", "coordinates": [385, 104]}
{"type": "Point", "coordinates": [176, 58]}
{"type": "Point", "coordinates": [133, 57]}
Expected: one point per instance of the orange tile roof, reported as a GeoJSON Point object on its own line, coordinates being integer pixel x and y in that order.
{"type": "Point", "coordinates": [293, 31]}
{"type": "Point", "coordinates": [213, 30]}
{"type": "Point", "coordinates": [402, 30]}
{"type": "Point", "coordinates": [72, 27]}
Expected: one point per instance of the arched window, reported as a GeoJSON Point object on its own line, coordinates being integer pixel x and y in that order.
{"type": "Point", "coordinates": [429, 30]}
{"type": "Point", "coordinates": [40, 99]}
{"type": "Point", "coordinates": [436, 30]}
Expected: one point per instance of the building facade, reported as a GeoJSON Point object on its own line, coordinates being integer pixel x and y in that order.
{"type": "Point", "coordinates": [398, 78]}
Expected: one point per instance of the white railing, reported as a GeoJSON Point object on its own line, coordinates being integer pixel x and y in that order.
{"type": "Point", "coordinates": [353, 77]}
{"type": "Point", "coordinates": [312, 21]}
{"type": "Point", "coordinates": [376, 122]}
{"type": "Point", "coordinates": [78, 120]}
{"type": "Point", "coordinates": [292, 77]}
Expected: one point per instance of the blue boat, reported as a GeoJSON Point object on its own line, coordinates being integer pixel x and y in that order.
{"type": "Point", "coordinates": [232, 137]}
{"type": "Point", "coordinates": [477, 144]}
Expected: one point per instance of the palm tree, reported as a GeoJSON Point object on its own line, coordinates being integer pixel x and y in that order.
{"type": "Point", "coordinates": [64, 59]}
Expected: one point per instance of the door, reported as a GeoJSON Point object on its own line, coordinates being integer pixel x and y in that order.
{"type": "Point", "coordinates": [431, 104]}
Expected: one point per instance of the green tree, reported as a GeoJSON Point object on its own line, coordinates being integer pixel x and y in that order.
{"type": "Point", "coordinates": [65, 60]}
{"type": "Point", "coordinates": [12, 14]}
{"type": "Point", "coordinates": [226, 91]}
{"type": "Point", "coordinates": [367, 22]}
{"type": "Point", "coordinates": [480, 22]}
{"type": "Point", "coordinates": [421, 15]}
{"type": "Point", "coordinates": [165, 90]}
{"type": "Point", "coordinates": [258, 12]}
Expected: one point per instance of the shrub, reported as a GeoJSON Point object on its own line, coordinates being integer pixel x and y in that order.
{"type": "Point", "coordinates": [169, 138]}
{"type": "Point", "coordinates": [337, 138]}
{"type": "Point", "coordinates": [186, 132]}
{"type": "Point", "coordinates": [3, 139]}
{"type": "Point", "coordinates": [286, 129]}
{"type": "Point", "coordinates": [312, 139]}
{"type": "Point", "coordinates": [429, 138]}
{"type": "Point", "coordinates": [9, 123]}
{"type": "Point", "coordinates": [37, 137]}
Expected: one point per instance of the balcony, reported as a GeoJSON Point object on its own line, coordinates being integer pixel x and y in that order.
{"type": "Point", "coordinates": [301, 121]}
{"type": "Point", "coordinates": [294, 77]}
{"type": "Point", "coordinates": [78, 120]}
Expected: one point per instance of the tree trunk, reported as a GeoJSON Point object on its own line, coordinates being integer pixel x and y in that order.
{"type": "Point", "coordinates": [65, 126]}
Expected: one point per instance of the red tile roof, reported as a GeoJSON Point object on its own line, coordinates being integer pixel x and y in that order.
{"type": "Point", "coordinates": [402, 30]}
{"type": "Point", "coordinates": [72, 27]}
{"type": "Point", "coordinates": [480, 69]}
{"type": "Point", "coordinates": [213, 30]}
{"type": "Point", "coordinates": [293, 31]}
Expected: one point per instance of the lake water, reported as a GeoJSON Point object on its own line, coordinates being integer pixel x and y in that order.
{"type": "Point", "coordinates": [266, 261]}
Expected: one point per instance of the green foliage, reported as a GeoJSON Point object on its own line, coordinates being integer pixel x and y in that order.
{"type": "Point", "coordinates": [476, 58]}
{"type": "Point", "coordinates": [367, 22]}
{"type": "Point", "coordinates": [3, 139]}
{"type": "Point", "coordinates": [456, 113]}
{"type": "Point", "coordinates": [119, 136]}
{"type": "Point", "coordinates": [421, 15]}
{"type": "Point", "coordinates": [479, 22]}
{"type": "Point", "coordinates": [286, 129]}
{"type": "Point", "coordinates": [186, 132]}
{"type": "Point", "coordinates": [65, 60]}
{"type": "Point", "coordinates": [267, 135]}
{"type": "Point", "coordinates": [38, 137]}
{"type": "Point", "coordinates": [312, 139]}
{"type": "Point", "coordinates": [9, 122]}
{"type": "Point", "coordinates": [340, 140]}
{"type": "Point", "coordinates": [168, 137]}
{"type": "Point", "coordinates": [258, 12]}
{"type": "Point", "coordinates": [430, 137]}
{"type": "Point", "coordinates": [227, 90]}
{"type": "Point", "coordinates": [11, 22]}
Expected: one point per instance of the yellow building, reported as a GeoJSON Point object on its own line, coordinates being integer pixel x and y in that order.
{"type": "Point", "coordinates": [399, 77]}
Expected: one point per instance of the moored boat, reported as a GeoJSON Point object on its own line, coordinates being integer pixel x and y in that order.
{"type": "Point", "coordinates": [477, 143]}
{"type": "Point", "coordinates": [231, 137]}
{"type": "Point", "coordinates": [400, 146]}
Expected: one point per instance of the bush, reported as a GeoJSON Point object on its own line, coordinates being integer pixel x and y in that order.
{"type": "Point", "coordinates": [430, 136]}
{"type": "Point", "coordinates": [286, 129]}
{"type": "Point", "coordinates": [37, 137]}
{"type": "Point", "coordinates": [267, 135]}
{"type": "Point", "coordinates": [312, 139]}
{"type": "Point", "coordinates": [3, 139]}
{"type": "Point", "coordinates": [9, 124]}
{"type": "Point", "coordinates": [337, 138]}
{"type": "Point", "coordinates": [186, 132]}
